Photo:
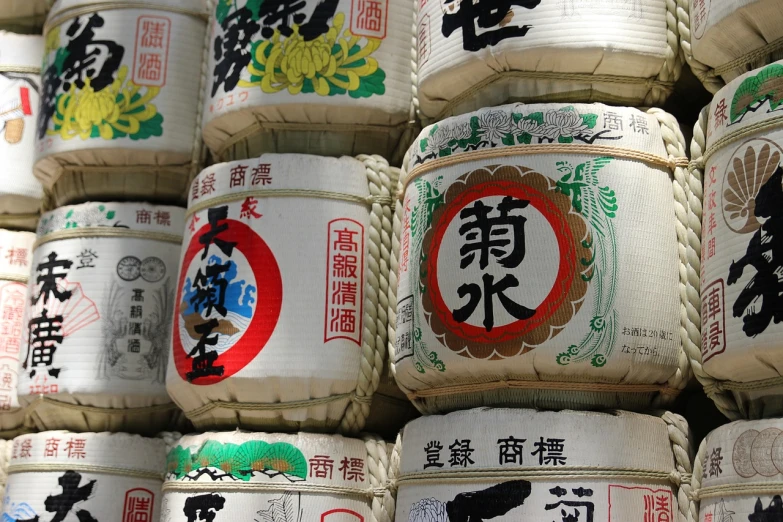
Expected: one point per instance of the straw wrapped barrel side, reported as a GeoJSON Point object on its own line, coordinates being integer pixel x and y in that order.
{"type": "Point", "coordinates": [739, 146]}
{"type": "Point", "coordinates": [528, 234]}
{"type": "Point", "coordinates": [20, 88]}
{"type": "Point", "coordinates": [24, 15]}
{"type": "Point", "coordinates": [741, 471]}
{"type": "Point", "coordinates": [98, 321]}
{"type": "Point", "coordinates": [15, 259]}
{"type": "Point", "coordinates": [295, 336]}
{"type": "Point", "coordinates": [756, 37]}
{"type": "Point", "coordinates": [290, 477]}
{"type": "Point", "coordinates": [137, 104]}
{"type": "Point", "coordinates": [471, 55]}
{"type": "Point", "coordinates": [84, 476]}
{"type": "Point", "coordinates": [328, 78]}
{"type": "Point", "coordinates": [525, 465]}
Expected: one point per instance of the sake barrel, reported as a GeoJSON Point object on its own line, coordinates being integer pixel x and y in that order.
{"type": "Point", "coordinates": [20, 85]}
{"type": "Point", "coordinates": [486, 53]}
{"type": "Point", "coordinates": [737, 472]}
{"type": "Point", "coordinates": [98, 321]}
{"type": "Point", "coordinates": [24, 15]}
{"type": "Point", "coordinates": [122, 84]}
{"type": "Point", "coordinates": [737, 151]}
{"type": "Point", "coordinates": [280, 323]}
{"type": "Point", "coordinates": [59, 475]}
{"type": "Point", "coordinates": [5, 457]}
{"type": "Point", "coordinates": [528, 234]}
{"type": "Point", "coordinates": [278, 478]}
{"type": "Point", "coordinates": [512, 464]}
{"type": "Point", "coordinates": [330, 78]}
{"type": "Point", "coordinates": [723, 39]}
{"type": "Point", "coordinates": [15, 259]}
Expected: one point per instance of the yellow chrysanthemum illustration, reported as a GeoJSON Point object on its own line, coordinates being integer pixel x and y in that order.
{"type": "Point", "coordinates": [333, 63]}
{"type": "Point", "coordinates": [118, 110]}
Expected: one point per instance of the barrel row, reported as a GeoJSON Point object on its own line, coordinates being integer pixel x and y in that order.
{"type": "Point", "coordinates": [128, 85]}
{"type": "Point", "coordinates": [485, 463]}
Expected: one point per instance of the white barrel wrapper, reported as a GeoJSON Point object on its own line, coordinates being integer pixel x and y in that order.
{"type": "Point", "coordinates": [724, 38]}
{"type": "Point", "coordinates": [480, 54]}
{"type": "Point", "coordinates": [327, 78]}
{"type": "Point", "coordinates": [521, 269]}
{"type": "Point", "coordinates": [15, 257]}
{"type": "Point", "coordinates": [511, 465]}
{"type": "Point", "coordinates": [743, 198]}
{"type": "Point", "coordinates": [5, 457]}
{"type": "Point", "coordinates": [24, 15]}
{"type": "Point", "coordinates": [77, 477]}
{"type": "Point", "coordinates": [277, 299]}
{"type": "Point", "coordinates": [105, 275]}
{"type": "Point", "coordinates": [740, 470]}
{"type": "Point", "coordinates": [277, 478]}
{"type": "Point", "coordinates": [20, 87]}
{"type": "Point", "coordinates": [122, 87]}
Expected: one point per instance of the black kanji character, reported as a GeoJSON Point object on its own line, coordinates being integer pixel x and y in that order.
{"type": "Point", "coordinates": [486, 14]}
{"type": "Point", "coordinates": [510, 450]}
{"type": "Point", "coordinates": [492, 235]}
{"type": "Point", "coordinates": [45, 335]}
{"type": "Point", "coordinates": [215, 216]}
{"type": "Point", "coordinates": [232, 49]}
{"type": "Point", "coordinates": [569, 509]}
{"type": "Point", "coordinates": [48, 280]}
{"type": "Point", "coordinates": [281, 13]}
{"type": "Point", "coordinates": [210, 289]}
{"type": "Point", "coordinates": [489, 291]}
{"type": "Point", "coordinates": [72, 494]}
{"type": "Point", "coordinates": [204, 361]}
{"type": "Point", "coordinates": [203, 507]}
{"type": "Point", "coordinates": [319, 20]}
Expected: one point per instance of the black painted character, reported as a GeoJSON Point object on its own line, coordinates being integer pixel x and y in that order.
{"type": "Point", "coordinates": [203, 507]}
{"type": "Point", "coordinates": [493, 502]}
{"type": "Point", "coordinates": [486, 14]}
{"type": "Point", "coordinates": [232, 48]}
{"type": "Point", "coordinates": [773, 513]}
{"type": "Point", "coordinates": [82, 58]}
{"type": "Point", "coordinates": [203, 363]}
{"type": "Point", "coordinates": [765, 255]}
{"type": "Point", "coordinates": [72, 494]}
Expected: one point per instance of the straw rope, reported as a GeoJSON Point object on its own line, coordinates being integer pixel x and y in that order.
{"type": "Point", "coordinates": [82, 233]}
{"type": "Point", "coordinates": [698, 472]}
{"type": "Point", "coordinates": [274, 406]}
{"type": "Point", "coordinates": [76, 11]}
{"type": "Point", "coordinates": [22, 69]}
{"type": "Point", "coordinates": [723, 399]}
{"type": "Point", "coordinates": [142, 410]}
{"type": "Point", "coordinates": [682, 451]}
{"type": "Point", "coordinates": [766, 125]}
{"type": "Point", "coordinates": [300, 487]}
{"type": "Point", "coordinates": [536, 474]}
{"type": "Point", "coordinates": [88, 468]}
{"type": "Point", "coordinates": [379, 466]}
{"type": "Point", "coordinates": [672, 65]}
{"type": "Point", "coordinates": [16, 278]}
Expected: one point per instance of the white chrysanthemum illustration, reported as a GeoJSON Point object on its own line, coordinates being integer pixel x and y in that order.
{"type": "Point", "coordinates": [439, 139]}
{"type": "Point", "coordinates": [461, 131]}
{"type": "Point", "coordinates": [428, 510]}
{"type": "Point", "coordinates": [531, 127]}
{"type": "Point", "coordinates": [565, 124]}
{"type": "Point", "coordinates": [495, 125]}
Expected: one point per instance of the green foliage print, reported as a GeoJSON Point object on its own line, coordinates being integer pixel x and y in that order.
{"type": "Point", "coordinates": [429, 198]}
{"type": "Point", "coordinates": [241, 462]}
{"type": "Point", "coordinates": [598, 206]}
{"type": "Point", "coordinates": [754, 91]}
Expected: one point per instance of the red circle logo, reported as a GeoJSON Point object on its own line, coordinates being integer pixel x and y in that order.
{"type": "Point", "coordinates": [228, 302]}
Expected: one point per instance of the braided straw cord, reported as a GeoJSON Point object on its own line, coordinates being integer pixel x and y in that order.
{"type": "Point", "coordinates": [170, 438]}
{"type": "Point", "coordinates": [682, 450]}
{"type": "Point", "coordinates": [675, 147]}
{"type": "Point", "coordinates": [378, 464]}
{"type": "Point", "coordinates": [702, 71]}
{"type": "Point", "coordinates": [724, 400]}
{"type": "Point", "coordinates": [672, 65]}
{"type": "Point", "coordinates": [375, 314]}
{"type": "Point", "coordinates": [698, 471]}
{"type": "Point", "coordinates": [199, 149]}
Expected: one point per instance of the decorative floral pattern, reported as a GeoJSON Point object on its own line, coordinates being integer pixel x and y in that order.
{"type": "Point", "coordinates": [334, 63]}
{"type": "Point", "coordinates": [119, 110]}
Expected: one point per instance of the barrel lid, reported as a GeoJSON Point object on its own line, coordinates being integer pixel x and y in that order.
{"type": "Point", "coordinates": [20, 50]}
{"type": "Point", "coordinates": [279, 172]}
{"type": "Point", "coordinates": [15, 254]}
{"type": "Point", "coordinates": [744, 451]}
{"type": "Point", "coordinates": [545, 440]}
{"type": "Point", "coordinates": [196, 7]}
{"type": "Point", "coordinates": [137, 217]}
{"type": "Point", "coordinates": [116, 453]}
{"type": "Point", "coordinates": [306, 458]}
{"type": "Point", "coordinates": [744, 103]}
{"type": "Point", "coordinates": [487, 132]}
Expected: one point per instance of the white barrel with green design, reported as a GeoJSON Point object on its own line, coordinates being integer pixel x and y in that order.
{"type": "Point", "coordinates": [98, 319]}
{"type": "Point", "coordinates": [473, 54]}
{"type": "Point", "coordinates": [318, 77]}
{"type": "Point", "coordinates": [121, 101]}
{"type": "Point", "coordinates": [541, 260]}
{"type": "Point", "coordinates": [274, 477]}
{"type": "Point", "coordinates": [723, 39]}
{"type": "Point", "coordinates": [738, 472]}
{"type": "Point", "coordinates": [738, 153]}
{"type": "Point", "coordinates": [20, 88]}
{"type": "Point", "coordinates": [24, 16]}
{"type": "Point", "coordinates": [16, 254]}
{"type": "Point", "coordinates": [84, 477]}
{"type": "Point", "coordinates": [509, 465]}
{"type": "Point", "coordinates": [281, 304]}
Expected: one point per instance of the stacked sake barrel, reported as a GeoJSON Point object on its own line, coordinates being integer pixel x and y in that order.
{"type": "Point", "coordinates": [737, 152]}
{"type": "Point", "coordinates": [474, 54]}
{"type": "Point", "coordinates": [24, 16]}
{"type": "Point", "coordinates": [723, 39]}
{"type": "Point", "coordinates": [328, 78]}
